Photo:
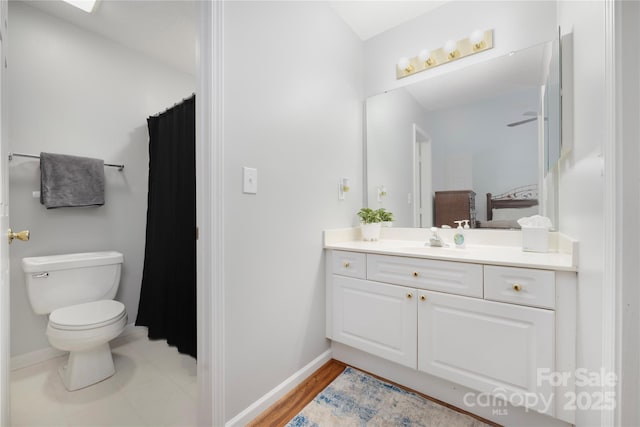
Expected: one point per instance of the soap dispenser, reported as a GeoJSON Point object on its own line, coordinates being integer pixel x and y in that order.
{"type": "Point", "coordinates": [458, 238]}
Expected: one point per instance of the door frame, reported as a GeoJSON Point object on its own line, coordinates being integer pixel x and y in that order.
{"type": "Point", "coordinates": [210, 216]}
{"type": "Point", "coordinates": [5, 341]}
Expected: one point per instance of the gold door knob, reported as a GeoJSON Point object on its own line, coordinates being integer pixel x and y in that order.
{"type": "Point", "coordinates": [409, 295]}
{"type": "Point", "coordinates": [415, 274]}
{"type": "Point", "coordinates": [346, 264]}
{"type": "Point", "coordinates": [20, 235]}
{"type": "Point", "coordinates": [517, 287]}
{"type": "Point", "coordinates": [423, 297]}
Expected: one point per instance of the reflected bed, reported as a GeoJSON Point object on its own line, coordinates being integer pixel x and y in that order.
{"type": "Point", "coordinates": [505, 209]}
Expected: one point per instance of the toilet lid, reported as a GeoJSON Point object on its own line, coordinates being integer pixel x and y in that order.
{"type": "Point", "coordinates": [88, 315]}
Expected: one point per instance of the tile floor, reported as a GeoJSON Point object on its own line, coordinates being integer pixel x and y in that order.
{"type": "Point", "coordinates": [153, 385]}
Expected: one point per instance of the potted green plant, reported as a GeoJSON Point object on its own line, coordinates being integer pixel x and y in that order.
{"type": "Point", "coordinates": [369, 223]}
{"type": "Point", "coordinates": [386, 217]}
{"type": "Point", "coordinates": [371, 220]}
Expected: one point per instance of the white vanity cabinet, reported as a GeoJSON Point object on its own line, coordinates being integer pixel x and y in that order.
{"type": "Point", "coordinates": [489, 328]}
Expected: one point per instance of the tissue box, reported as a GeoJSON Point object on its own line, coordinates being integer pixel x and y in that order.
{"type": "Point", "coordinates": [535, 239]}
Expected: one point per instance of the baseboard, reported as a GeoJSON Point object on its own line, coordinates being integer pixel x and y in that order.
{"type": "Point", "coordinates": [34, 357]}
{"type": "Point", "coordinates": [260, 405]}
{"type": "Point", "coordinates": [20, 361]}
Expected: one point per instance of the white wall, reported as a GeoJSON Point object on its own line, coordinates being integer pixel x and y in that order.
{"type": "Point", "coordinates": [581, 178]}
{"type": "Point", "coordinates": [293, 110]}
{"type": "Point", "coordinates": [390, 120]}
{"type": "Point", "coordinates": [77, 93]}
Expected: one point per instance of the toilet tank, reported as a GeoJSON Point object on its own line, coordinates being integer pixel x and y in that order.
{"type": "Point", "coordinates": [61, 280]}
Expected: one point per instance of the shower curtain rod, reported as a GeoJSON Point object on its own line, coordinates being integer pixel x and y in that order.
{"type": "Point", "coordinates": [32, 156]}
{"type": "Point", "coordinates": [174, 105]}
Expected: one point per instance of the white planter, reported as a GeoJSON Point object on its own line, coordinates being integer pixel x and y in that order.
{"type": "Point", "coordinates": [370, 231]}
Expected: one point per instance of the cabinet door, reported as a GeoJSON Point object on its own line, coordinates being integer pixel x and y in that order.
{"type": "Point", "coordinates": [488, 346]}
{"type": "Point", "coordinates": [376, 318]}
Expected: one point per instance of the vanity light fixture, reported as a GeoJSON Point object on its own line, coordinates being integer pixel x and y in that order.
{"type": "Point", "coordinates": [344, 186]}
{"type": "Point", "coordinates": [86, 5]}
{"type": "Point", "coordinates": [478, 41]}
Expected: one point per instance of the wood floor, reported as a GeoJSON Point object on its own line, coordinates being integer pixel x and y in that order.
{"type": "Point", "coordinates": [281, 412]}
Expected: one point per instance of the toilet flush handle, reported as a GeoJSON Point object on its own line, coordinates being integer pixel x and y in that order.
{"type": "Point", "coordinates": [40, 275]}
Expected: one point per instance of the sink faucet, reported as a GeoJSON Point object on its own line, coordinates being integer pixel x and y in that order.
{"type": "Point", "coordinates": [435, 239]}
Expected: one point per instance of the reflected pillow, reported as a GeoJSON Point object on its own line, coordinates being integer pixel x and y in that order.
{"type": "Point", "coordinates": [507, 214]}
{"type": "Point", "coordinates": [503, 224]}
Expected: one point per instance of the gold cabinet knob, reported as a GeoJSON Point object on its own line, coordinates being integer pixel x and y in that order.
{"type": "Point", "coordinates": [20, 235]}
{"type": "Point", "coordinates": [347, 264]}
{"type": "Point", "coordinates": [517, 287]}
{"type": "Point", "coordinates": [409, 295]}
{"type": "Point", "coordinates": [423, 297]}
{"type": "Point", "coordinates": [415, 274]}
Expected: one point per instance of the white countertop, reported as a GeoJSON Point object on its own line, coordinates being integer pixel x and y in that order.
{"type": "Point", "coordinates": [494, 248]}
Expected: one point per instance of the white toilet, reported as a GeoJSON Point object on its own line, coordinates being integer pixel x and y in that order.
{"type": "Point", "coordinates": [78, 290]}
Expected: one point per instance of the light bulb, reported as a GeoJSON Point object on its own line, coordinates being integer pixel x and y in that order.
{"type": "Point", "coordinates": [451, 47]}
{"type": "Point", "coordinates": [425, 57]}
{"type": "Point", "coordinates": [404, 64]}
{"type": "Point", "coordinates": [477, 39]}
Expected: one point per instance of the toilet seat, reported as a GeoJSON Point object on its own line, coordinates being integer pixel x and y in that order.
{"type": "Point", "coordinates": [87, 316]}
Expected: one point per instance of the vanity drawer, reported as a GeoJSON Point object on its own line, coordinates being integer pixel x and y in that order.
{"type": "Point", "coordinates": [535, 288]}
{"type": "Point", "coordinates": [350, 264]}
{"type": "Point", "coordinates": [444, 276]}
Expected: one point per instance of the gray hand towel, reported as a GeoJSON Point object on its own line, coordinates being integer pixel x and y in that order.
{"type": "Point", "coordinates": [71, 181]}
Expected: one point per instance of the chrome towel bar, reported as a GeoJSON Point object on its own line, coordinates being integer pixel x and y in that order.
{"type": "Point", "coordinates": [32, 156]}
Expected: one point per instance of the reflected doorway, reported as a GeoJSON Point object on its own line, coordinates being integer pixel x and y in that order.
{"type": "Point", "coordinates": [422, 185]}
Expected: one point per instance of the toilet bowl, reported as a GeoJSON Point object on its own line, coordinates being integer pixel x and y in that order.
{"type": "Point", "coordinates": [85, 330]}
{"type": "Point", "coordinates": [77, 291]}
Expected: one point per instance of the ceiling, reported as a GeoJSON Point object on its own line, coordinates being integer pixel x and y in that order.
{"type": "Point", "coordinates": [167, 30]}
{"type": "Point", "coordinates": [369, 18]}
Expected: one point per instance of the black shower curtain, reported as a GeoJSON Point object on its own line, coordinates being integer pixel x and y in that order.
{"type": "Point", "coordinates": [168, 295]}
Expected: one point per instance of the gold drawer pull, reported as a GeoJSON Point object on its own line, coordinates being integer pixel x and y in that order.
{"type": "Point", "coordinates": [347, 264]}
{"type": "Point", "coordinates": [415, 274]}
{"type": "Point", "coordinates": [423, 297]}
{"type": "Point", "coordinates": [409, 295]}
{"type": "Point", "coordinates": [517, 287]}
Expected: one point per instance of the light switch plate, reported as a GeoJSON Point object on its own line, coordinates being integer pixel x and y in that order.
{"type": "Point", "coordinates": [250, 180]}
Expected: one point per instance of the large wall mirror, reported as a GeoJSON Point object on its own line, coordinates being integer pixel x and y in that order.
{"type": "Point", "coordinates": [475, 143]}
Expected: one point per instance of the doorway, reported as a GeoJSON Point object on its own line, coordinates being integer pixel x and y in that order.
{"type": "Point", "coordinates": [124, 152]}
{"type": "Point", "coordinates": [422, 181]}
